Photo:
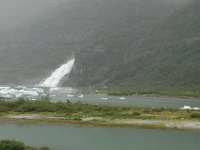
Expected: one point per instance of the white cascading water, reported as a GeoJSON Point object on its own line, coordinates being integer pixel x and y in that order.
{"type": "Point", "coordinates": [55, 78]}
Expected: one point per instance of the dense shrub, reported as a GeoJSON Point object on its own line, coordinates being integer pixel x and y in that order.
{"type": "Point", "coordinates": [11, 145]}
{"type": "Point", "coordinates": [14, 145]}
{"type": "Point", "coordinates": [195, 115]}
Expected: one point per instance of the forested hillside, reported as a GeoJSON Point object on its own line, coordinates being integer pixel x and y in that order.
{"type": "Point", "coordinates": [158, 52]}
{"type": "Point", "coordinates": [138, 43]}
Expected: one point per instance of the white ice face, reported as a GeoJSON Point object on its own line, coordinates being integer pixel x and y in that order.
{"type": "Point", "coordinates": [54, 79]}
{"type": "Point", "coordinates": [21, 91]}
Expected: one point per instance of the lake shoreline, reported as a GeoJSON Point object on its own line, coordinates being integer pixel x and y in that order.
{"type": "Point", "coordinates": [102, 122]}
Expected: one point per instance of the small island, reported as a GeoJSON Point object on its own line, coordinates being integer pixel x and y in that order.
{"type": "Point", "coordinates": [45, 111]}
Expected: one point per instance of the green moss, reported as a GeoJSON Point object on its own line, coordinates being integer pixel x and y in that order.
{"type": "Point", "coordinates": [14, 145]}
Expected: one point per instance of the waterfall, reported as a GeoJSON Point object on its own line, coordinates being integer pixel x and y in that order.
{"type": "Point", "coordinates": [54, 79]}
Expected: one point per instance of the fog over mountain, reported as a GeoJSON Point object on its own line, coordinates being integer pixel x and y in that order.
{"type": "Point", "coordinates": [15, 13]}
{"type": "Point", "coordinates": [131, 42]}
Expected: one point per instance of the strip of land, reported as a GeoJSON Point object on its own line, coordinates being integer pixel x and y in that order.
{"type": "Point", "coordinates": [98, 121]}
{"type": "Point", "coordinates": [43, 111]}
{"type": "Point", "coordinates": [164, 91]}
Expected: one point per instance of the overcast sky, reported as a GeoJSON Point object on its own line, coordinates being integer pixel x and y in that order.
{"type": "Point", "coordinates": [16, 12]}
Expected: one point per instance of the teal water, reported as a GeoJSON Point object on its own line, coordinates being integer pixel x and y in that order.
{"type": "Point", "coordinates": [137, 101]}
{"type": "Point", "coordinates": [97, 138]}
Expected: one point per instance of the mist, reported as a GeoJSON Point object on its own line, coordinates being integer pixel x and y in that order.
{"type": "Point", "coordinates": [16, 13]}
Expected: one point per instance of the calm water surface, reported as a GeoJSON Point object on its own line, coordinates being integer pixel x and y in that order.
{"type": "Point", "coordinates": [74, 95]}
{"type": "Point", "coordinates": [138, 101]}
{"type": "Point", "coordinates": [97, 138]}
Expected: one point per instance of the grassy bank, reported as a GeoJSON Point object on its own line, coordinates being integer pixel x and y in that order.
{"type": "Point", "coordinates": [14, 145]}
{"type": "Point", "coordinates": [77, 111]}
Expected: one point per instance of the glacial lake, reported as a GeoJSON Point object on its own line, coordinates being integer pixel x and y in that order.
{"type": "Point", "coordinates": [98, 138]}
{"type": "Point", "coordinates": [74, 95]}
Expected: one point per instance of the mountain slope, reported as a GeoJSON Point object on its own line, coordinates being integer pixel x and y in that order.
{"type": "Point", "coordinates": [141, 43]}
{"type": "Point", "coordinates": [173, 49]}
{"type": "Point", "coordinates": [33, 49]}
{"type": "Point", "coordinates": [166, 56]}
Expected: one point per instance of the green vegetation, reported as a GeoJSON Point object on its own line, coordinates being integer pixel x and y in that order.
{"type": "Point", "coordinates": [77, 111]}
{"type": "Point", "coordinates": [195, 115]}
{"type": "Point", "coordinates": [14, 145]}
